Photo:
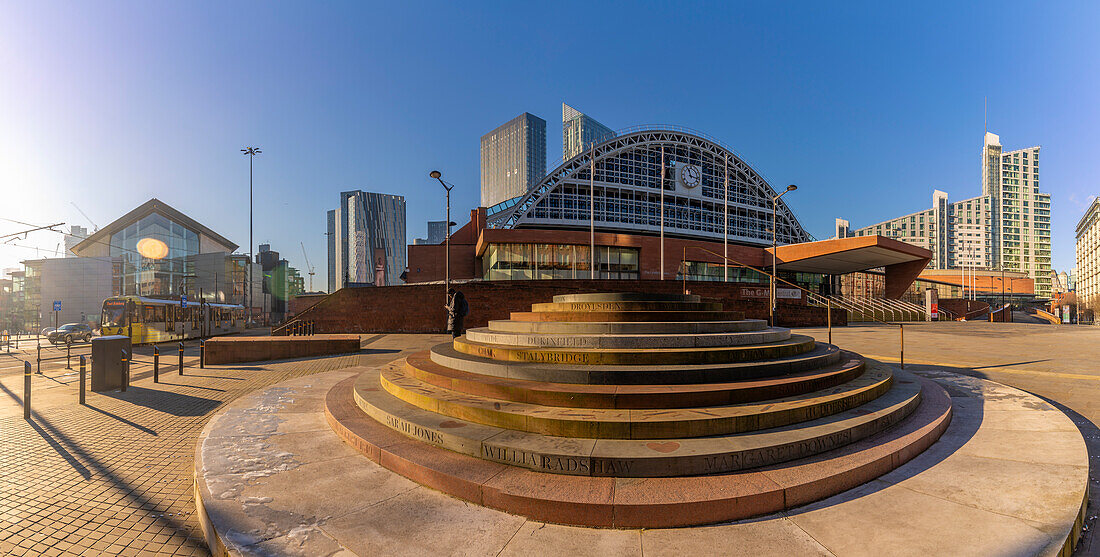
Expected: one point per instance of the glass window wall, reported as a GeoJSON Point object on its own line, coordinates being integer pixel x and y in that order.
{"type": "Point", "coordinates": [557, 261]}
{"type": "Point", "coordinates": [160, 274]}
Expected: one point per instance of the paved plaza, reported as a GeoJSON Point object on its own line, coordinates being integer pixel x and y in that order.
{"type": "Point", "coordinates": [115, 476]}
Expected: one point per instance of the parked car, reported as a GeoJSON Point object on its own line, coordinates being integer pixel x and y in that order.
{"type": "Point", "coordinates": [70, 332]}
{"type": "Point", "coordinates": [46, 331]}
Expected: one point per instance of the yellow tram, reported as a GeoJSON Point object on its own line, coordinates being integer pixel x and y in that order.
{"type": "Point", "coordinates": [148, 320]}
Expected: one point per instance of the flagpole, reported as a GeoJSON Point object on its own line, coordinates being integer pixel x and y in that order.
{"type": "Point", "coordinates": [726, 221]}
{"type": "Point", "coordinates": [592, 210]}
{"type": "Point", "coordinates": [662, 212]}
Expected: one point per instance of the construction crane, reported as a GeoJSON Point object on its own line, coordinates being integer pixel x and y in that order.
{"type": "Point", "coordinates": [308, 266]}
{"type": "Point", "coordinates": [94, 225]}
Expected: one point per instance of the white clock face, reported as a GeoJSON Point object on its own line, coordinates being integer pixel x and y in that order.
{"type": "Point", "coordinates": [690, 176]}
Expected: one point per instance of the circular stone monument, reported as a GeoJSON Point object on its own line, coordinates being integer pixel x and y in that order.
{"type": "Point", "coordinates": [636, 410]}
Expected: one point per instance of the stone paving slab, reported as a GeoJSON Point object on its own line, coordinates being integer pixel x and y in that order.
{"type": "Point", "coordinates": [914, 510]}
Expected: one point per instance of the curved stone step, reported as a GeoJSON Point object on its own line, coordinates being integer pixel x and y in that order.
{"type": "Point", "coordinates": [822, 355]}
{"type": "Point", "coordinates": [629, 316]}
{"type": "Point", "coordinates": [635, 328]}
{"type": "Point", "coordinates": [640, 503]}
{"type": "Point", "coordinates": [625, 297]}
{"type": "Point", "coordinates": [633, 457]}
{"type": "Point", "coordinates": [485, 335]}
{"type": "Point", "coordinates": [648, 423]}
{"type": "Point", "coordinates": [572, 395]}
{"type": "Point", "coordinates": [625, 306]}
{"type": "Point", "coordinates": [796, 344]}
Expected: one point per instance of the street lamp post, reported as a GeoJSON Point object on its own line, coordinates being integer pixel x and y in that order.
{"type": "Point", "coordinates": [775, 204]}
{"type": "Point", "coordinates": [447, 279]}
{"type": "Point", "coordinates": [251, 153]}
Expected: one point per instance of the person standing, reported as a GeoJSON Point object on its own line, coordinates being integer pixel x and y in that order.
{"type": "Point", "coordinates": [457, 309]}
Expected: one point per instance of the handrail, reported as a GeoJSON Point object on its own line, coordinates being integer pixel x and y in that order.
{"type": "Point", "coordinates": [829, 315]}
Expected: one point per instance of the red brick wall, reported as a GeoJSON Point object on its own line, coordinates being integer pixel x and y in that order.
{"type": "Point", "coordinates": [419, 308]}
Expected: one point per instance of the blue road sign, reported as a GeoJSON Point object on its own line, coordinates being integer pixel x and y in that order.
{"type": "Point", "coordinates": [183, 301]}
{"type": "Point", "coordinates": [57, 305]}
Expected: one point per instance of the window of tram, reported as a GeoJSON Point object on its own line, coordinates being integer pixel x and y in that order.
{"type": "Point", "coordinates": [114, 313]}
{"type": "Point", "coordinates": [557, 261]}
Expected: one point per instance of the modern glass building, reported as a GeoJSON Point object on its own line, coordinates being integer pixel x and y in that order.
{"type": "Point", "coordinates": [513, 158]}
{"type": "Point", "coordinates": [579, 131]}
{"type": "Point", "coordinates": [367, 240]}
{"type": "Point", "coordinates": [1007, 228]}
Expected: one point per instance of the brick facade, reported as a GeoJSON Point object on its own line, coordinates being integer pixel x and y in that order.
{"type": "Point", "coordinates": [419, 308]}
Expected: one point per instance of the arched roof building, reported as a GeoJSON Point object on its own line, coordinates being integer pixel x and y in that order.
{"type": "Point", "coordinates": [626, 191]}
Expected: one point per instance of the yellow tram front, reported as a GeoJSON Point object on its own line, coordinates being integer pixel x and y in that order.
{"type": "Point", "coordinates": [149, 320]}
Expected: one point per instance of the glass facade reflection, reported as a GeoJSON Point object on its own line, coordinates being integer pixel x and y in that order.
{"type": "Point", "coordinates": [143, 276]}
{"type": "Point", "coordinates": [557, 261]}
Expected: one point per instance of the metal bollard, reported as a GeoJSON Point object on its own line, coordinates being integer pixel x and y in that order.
{"type": "Point", "coordinates": [156, 364]}
{"type": "Point", "coordinates": [181, 358]}
{"type": "Point", "coordinates": [68, 355]}
{"type": "Point", "coordinates": [901, 345]}
{"type": "Point", "coordinates": [125, 370]}
{"type": "Point", "coordinates": [39, 364]}
{"type": "Point", "coordinates": [202, 353]}
{"type": "Point", "coordinates": [26, 390]}
{"type": "Point", "coordinates": [83, 379]}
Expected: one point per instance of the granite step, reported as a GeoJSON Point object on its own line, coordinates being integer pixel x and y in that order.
{"type": "Point", "coordinates": [572, 395]}
{"type": "Point", "coordinates": [647, 423]}
{"type": "Point", "coordinates": [625, 306]}
{"type": "Point", "coordinates": [796, 344]}
{"type": "Point", "coordinates": [638, 458]}
{"type": "Point", "coordinates": [625, 297]}
{"type": "Point", "coordinates": [639, 502]}
{"type": "Point", "coordinates": [822, 355]}
{"type": "Point", "coordinates": [629, 328]}
{"type": "Point", "coordinates": [629, 316]}
{"type": "Point", "coordinates": [485, 335]}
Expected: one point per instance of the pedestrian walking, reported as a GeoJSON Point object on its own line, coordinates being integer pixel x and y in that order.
{"type": "Point", "coordinates": [457, 309]}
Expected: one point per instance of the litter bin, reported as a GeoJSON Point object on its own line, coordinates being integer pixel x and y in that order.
{"type": "Point", "coordinates": [107, 361]}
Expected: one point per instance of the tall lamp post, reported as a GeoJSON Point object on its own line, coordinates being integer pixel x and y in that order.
{"type": "Point", "coordinates": [447, 280]}
{"type": "Point", "coordinates": [251, 153]}
{"type": "Point", "coordinates": [775, 203]}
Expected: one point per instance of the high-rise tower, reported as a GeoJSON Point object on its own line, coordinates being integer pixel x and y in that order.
{"type": "Point", "coordinates": [513, 158]}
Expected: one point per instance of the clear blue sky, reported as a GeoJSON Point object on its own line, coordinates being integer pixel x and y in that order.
{"type": "Point", "coordinates": [867, 108]}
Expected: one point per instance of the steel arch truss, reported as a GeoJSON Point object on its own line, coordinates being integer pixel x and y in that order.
{"type": "Point", "coordinates": [755, 198]}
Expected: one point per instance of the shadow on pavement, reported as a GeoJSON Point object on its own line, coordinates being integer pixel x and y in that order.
{"type": "Point", "coordinates": [80, 469]}
{"type": "Point", "coordinates": [176, 404]}
{"type": "Point", "coordinates": [121, 419]}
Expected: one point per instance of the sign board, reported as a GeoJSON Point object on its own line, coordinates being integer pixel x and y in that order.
{"type": "Point", "coordinates": [57, 305]}
{"type": "Point", "coordinates": [932, 304]}
{"type": "Point", "coordinates": [780, 293]}
{"type": "Point", "coordinates": [183, 301]}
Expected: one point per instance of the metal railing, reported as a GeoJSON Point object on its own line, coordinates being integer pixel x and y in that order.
{"type": "Point", "coordinates": [828, 301]}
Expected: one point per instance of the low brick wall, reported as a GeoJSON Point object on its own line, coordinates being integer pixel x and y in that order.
{"type": "Point", "coordinates": [227, 350]}
{"type": "Point", "coordinates": [419, 308]}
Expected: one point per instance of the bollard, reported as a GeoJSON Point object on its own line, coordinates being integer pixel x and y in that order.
{"type": "Point", "coordinates": [26, 390]}
{"type": "Point", "coordinates": [83, 379]}
{"type": "Point", "coordinates": [125, 370]}
{"type": "Point", "coordinates": [181, 358]}
{"type": "Point", "coordinates": [156, 364]}
{"type": "Point", "coordinates": [829, 318]}
{"type": "Point", "coordinates": [901, 346]}
{"type": "Point", "coordinates": [68, 355]}
{"type": "Point", "coordinates": [202, 353]}
{"type": "Point", "coordinates": [39, 364]}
